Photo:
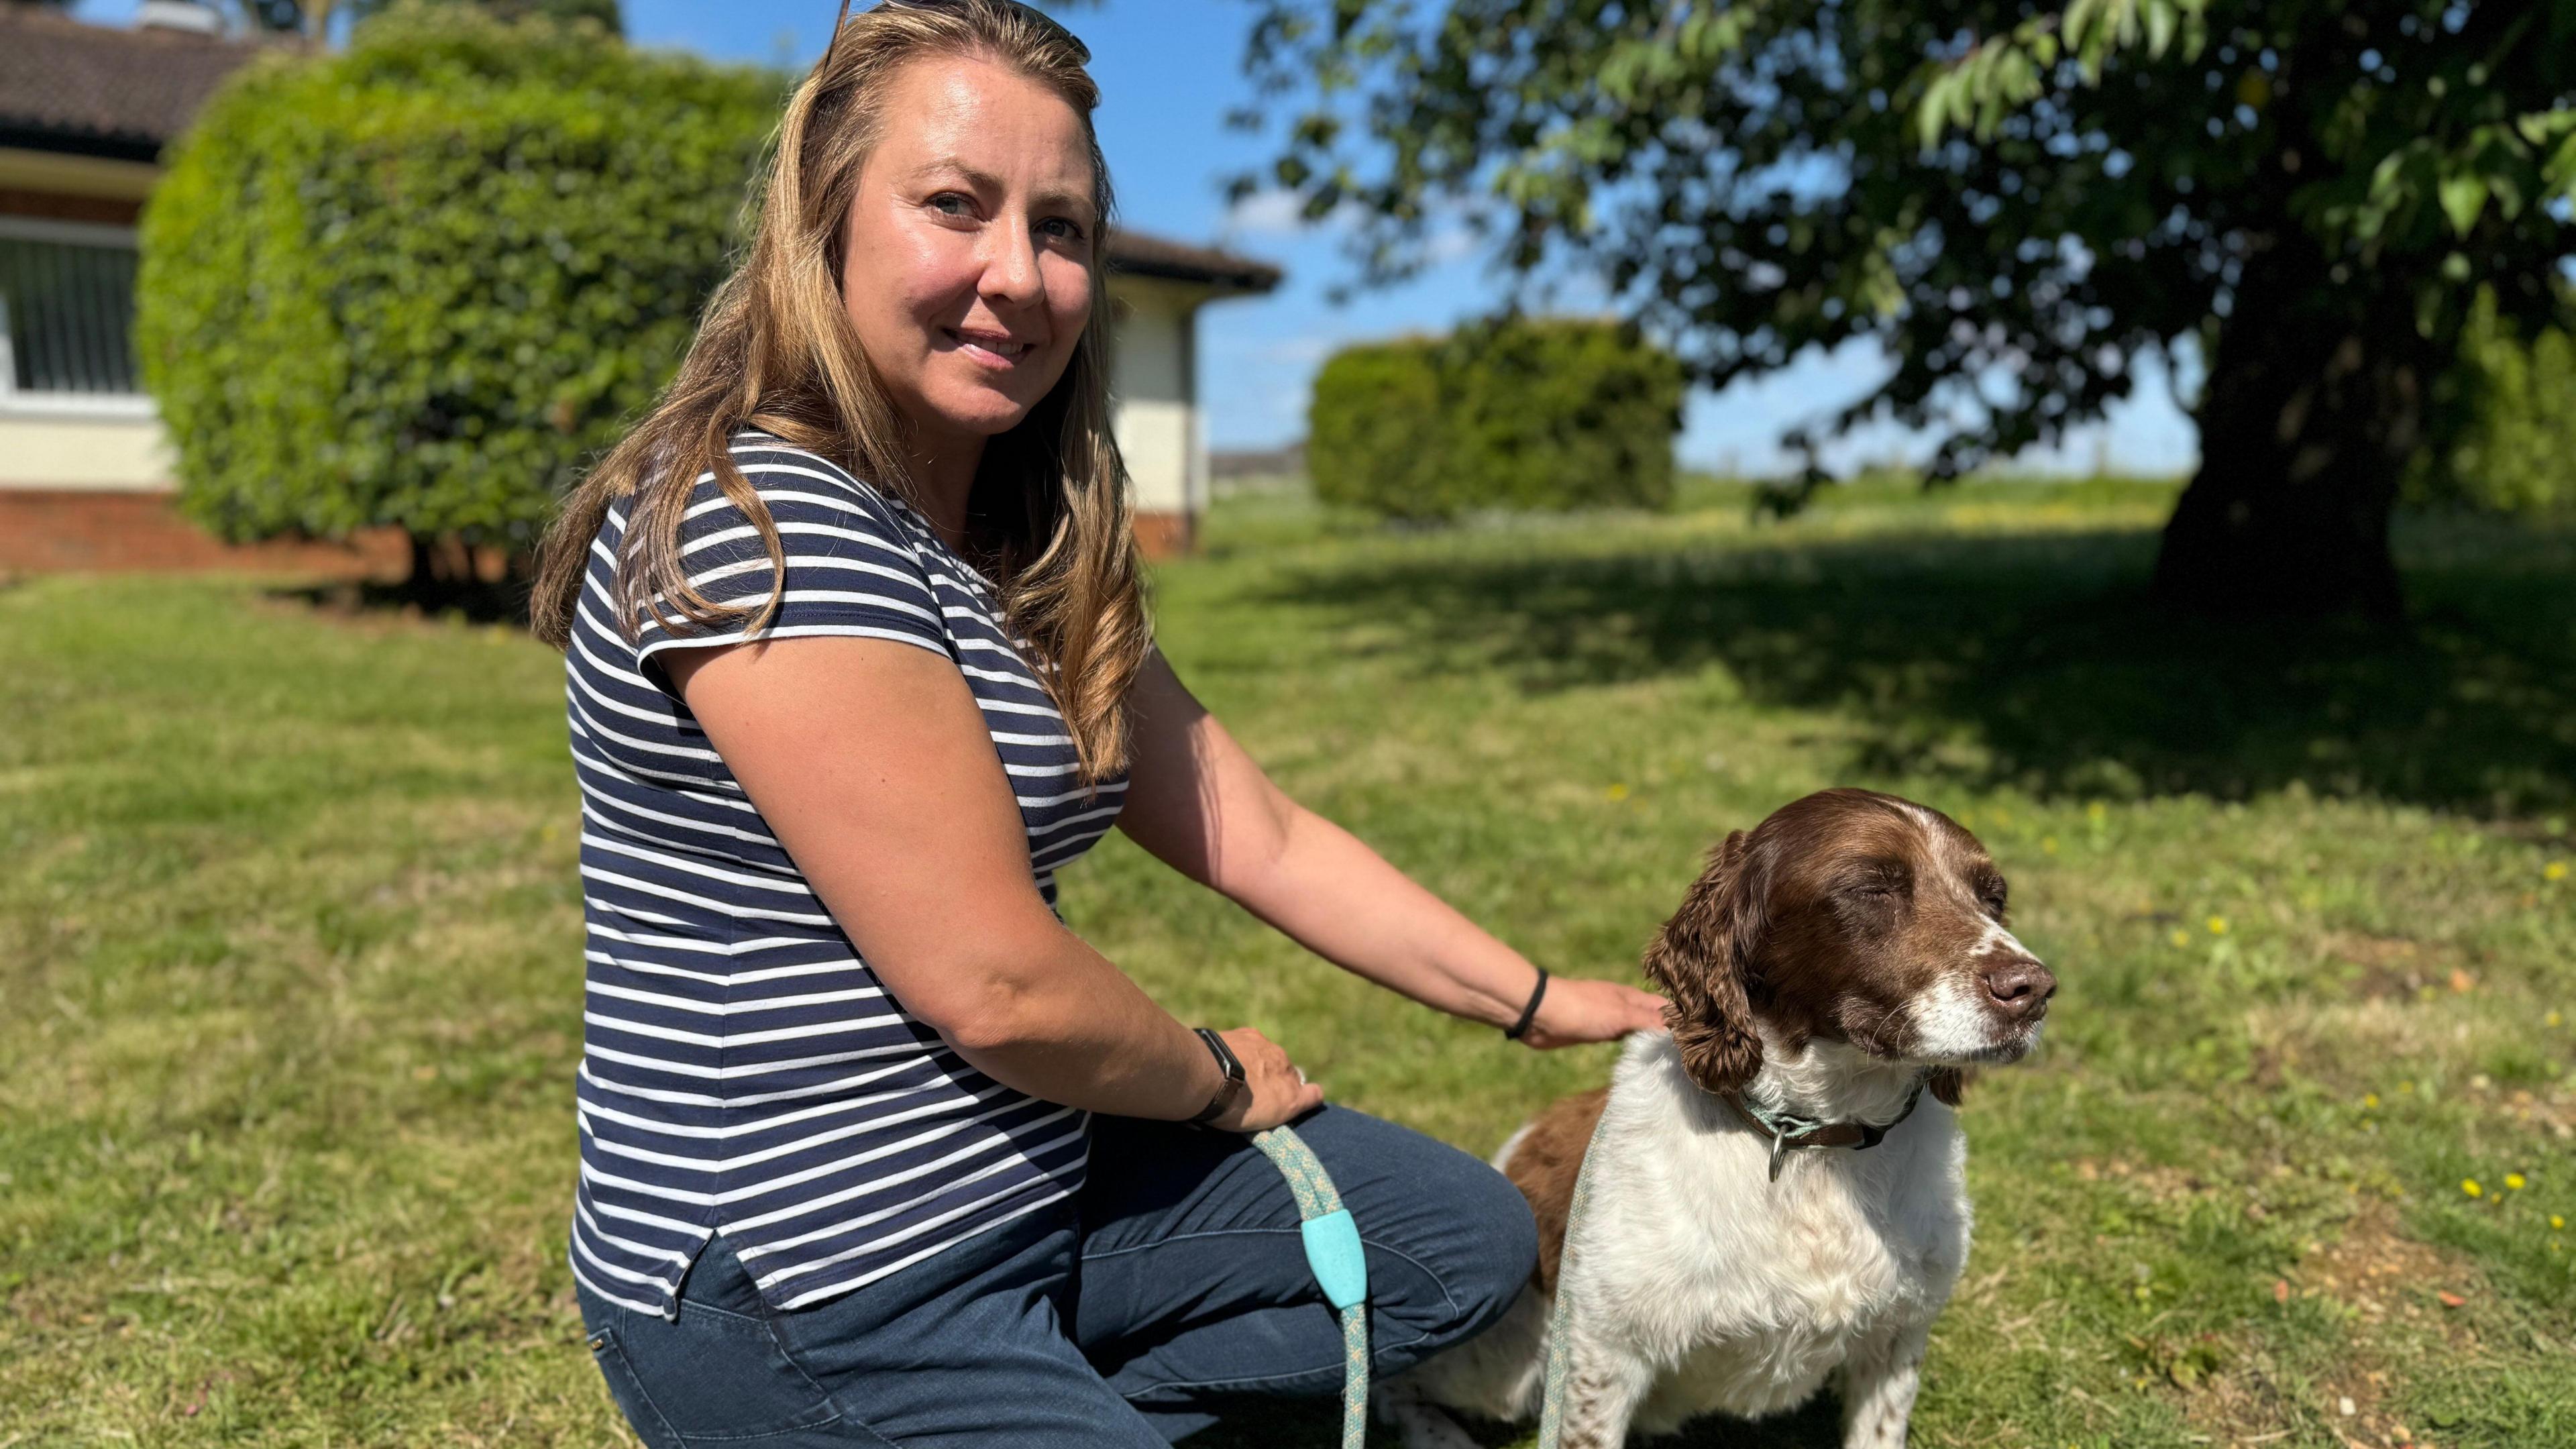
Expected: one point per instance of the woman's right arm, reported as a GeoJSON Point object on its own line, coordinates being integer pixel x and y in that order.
{"type": "Point", "coordinates": [870, 762]}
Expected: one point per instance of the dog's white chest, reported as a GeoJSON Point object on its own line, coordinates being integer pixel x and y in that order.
{"type": "Point", "coordinates": [1746, 1293]}
{"type": "Point", "coordinates": [1785, 1295]}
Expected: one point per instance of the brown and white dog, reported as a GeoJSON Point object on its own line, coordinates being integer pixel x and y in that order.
{"type": "Point", "coordinates": [1831, 969]}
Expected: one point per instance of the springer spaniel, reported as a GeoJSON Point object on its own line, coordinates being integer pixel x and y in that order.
{"type": "Point", "coordinates": [1828, 972]}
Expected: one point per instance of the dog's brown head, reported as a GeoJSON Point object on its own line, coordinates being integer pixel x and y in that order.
{"type": "Point", "coordinates": [1856, 917]}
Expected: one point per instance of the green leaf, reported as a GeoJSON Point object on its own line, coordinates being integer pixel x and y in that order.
{"type": "Point", "coordinates": [2463, 197]}
{"type": "Point", "coordinates": [2161, 17]}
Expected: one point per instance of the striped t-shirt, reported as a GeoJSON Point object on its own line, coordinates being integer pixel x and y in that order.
{"type": "Point", "coordinates": [743, 1071]}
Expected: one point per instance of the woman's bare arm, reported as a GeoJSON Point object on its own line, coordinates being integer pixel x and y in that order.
{"type": "Point", "coordinates": [871, 763]}
{"type": "Point", "coordinates": [1200, 803]}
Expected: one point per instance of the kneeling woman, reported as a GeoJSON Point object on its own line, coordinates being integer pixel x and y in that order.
{"type": "Point", "coordinates": [872, 1147]}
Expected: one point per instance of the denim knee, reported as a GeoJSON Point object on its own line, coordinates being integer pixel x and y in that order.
{"type": "Point", "coordinates": [1502, 1255]}
{"type": "Point", "coordinates": [1483, 1253]}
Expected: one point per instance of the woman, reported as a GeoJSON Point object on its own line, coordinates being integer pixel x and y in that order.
{"type": "Point", "coordinates": [873, 1148]}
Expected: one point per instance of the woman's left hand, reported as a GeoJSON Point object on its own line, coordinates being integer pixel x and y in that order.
{"type": "Point", "coordinates": [1576, 1011]}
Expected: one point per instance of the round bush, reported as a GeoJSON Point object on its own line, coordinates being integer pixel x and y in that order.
{"type": "Point", "coordinates": [1525, 414]}
{"type": "Point", "coordinates": [419, 282]}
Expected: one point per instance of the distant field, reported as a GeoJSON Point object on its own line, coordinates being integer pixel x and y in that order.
{"type": "Point", "coordinates": [289, 920]}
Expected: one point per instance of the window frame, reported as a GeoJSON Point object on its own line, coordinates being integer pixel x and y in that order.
{"type": "Point", "coordinates": [28, 404]}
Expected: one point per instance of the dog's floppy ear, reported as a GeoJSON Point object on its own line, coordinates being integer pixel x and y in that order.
{"type": "Point", "coordinates": [1947, 1084]}
{"type": "Point", "coordinates": [1700, 959]}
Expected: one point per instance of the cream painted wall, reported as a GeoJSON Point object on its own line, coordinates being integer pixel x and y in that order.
{"type": "Point", "coordinates": [88, 454]}
{"type": "Point", "coordinates": [42, 171]}
{"type": "Point", "coordinates": [1154, 394]}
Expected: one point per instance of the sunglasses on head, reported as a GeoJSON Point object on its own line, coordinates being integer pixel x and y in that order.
{"type": "Point", "coordinates": [1040, 18]}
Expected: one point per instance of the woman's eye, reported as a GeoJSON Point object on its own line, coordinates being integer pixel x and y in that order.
{"type": "Point", "coordinates": [950, 203]}
{"type": "Point", "coordinates": [1061, 227]}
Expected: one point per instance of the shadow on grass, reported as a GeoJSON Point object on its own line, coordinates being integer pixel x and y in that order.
{"type": "Point", "coordinates": [476, 601]}
{"type": "Point", "coordinates": [1272, 1424]}
{"type": "Point", "coordinates": [2035, 660]}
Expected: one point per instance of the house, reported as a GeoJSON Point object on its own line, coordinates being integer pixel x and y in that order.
{"type": "Point", "coordinates": [86, 478]}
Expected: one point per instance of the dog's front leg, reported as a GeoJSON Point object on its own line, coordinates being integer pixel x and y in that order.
{"type": "Point", "coordinates": [1879, 1381]}
{"type": "Point", "coordinates": [1604, 1383]}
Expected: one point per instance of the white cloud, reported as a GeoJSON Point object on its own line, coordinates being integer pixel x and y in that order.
{"type": "Point", "coordinates": [1275, 212]}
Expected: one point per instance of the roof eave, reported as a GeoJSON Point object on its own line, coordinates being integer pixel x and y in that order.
{"type": "Point", "coordinates": [1250, 281]}
{"type": "Point", "coordinates": [25, 135]}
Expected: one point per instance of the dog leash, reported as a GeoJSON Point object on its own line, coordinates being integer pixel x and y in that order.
{"type": "Point", "coordinates": [1339, 1264]}
{"type": "Point", "coordinates": [1560, 1313]}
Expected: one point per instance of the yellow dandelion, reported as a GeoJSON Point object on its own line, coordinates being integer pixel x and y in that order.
{"type": "Point", "coordinates": [2513, 1181]}
{"type": "Point", "coordinates": [2048, 843]}
{"type": "Point", "coordinates": [2218, 925]}
{"type": "Point", "coordinates": [2097, 812]}
{"type": "Point", "coordinates": [2370, 1101]}
{"type": "Point", "coordinates": [2182, 938]}
{"type": "Point", "coordinates": [2555, 870]}
{"type": "Point", "coordinates": [1617, 792]}
{"type": "Point", "coordinates": [2470, 1186]}
{"type": "Point", "coordinates": [2556, 1222]}
{"type": "Point", "coordinates": [2552, 1019]}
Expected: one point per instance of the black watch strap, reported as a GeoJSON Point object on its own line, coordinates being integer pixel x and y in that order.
{"type": "Point", "coordinates": [1529, 1013]}
{"type": "Point", "coordinates": [1226, 1090]}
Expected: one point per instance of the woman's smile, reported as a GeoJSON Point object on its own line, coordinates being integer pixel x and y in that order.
{"type": "Point", "coordinates": [996, 350]}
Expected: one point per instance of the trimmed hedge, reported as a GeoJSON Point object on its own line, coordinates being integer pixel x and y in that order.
{"type": "Point", "coordinates": [420, 282]}
{"type": "Point", "coordinates": [2517, 453]}
{"type": "Point", "coordinates": [1544, 414]}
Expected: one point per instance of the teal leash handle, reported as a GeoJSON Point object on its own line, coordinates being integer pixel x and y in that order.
{"type": "Point", "coordinates": [1560, 1313]}
{"type": "Point", "coordinates": [1340, 1265]}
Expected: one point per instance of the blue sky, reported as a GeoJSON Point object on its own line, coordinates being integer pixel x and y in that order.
{"type": "Point", "coordinates": [1168, 71]}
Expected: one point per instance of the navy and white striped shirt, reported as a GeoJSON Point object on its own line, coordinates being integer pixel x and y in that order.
{"type": "Point", "coordinates": [743, 1071]}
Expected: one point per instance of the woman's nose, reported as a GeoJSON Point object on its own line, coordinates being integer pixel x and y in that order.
{"type": "Point", "coordinates": [1011, 267]}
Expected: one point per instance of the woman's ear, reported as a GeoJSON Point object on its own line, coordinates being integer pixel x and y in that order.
{"type": "Point", "coordinates": [1947, 1083]}
{"type": "Point", "coordinates": [1700, 959]}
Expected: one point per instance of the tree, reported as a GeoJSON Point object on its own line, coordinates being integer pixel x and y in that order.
{"type": "Point", "coordinates": [2015, 200]}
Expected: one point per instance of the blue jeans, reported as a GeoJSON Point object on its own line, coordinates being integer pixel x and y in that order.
{"type": "Point", "coordinates": [1172, 1285]}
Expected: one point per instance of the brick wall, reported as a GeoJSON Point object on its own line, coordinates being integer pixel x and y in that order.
{"type": "Point", "coordinates": [1164, 535]}
{"type": "Point", "coordinates": [63, 530]}
{"type": "Point", "coordinates": [107, 211]}
{"type": "Point", "coordinates": [49, 531]}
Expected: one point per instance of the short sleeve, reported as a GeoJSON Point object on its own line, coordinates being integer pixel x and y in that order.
{"type": "Point", "coordinates": [850, 569]}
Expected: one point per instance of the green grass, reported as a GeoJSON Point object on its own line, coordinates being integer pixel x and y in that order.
{"type": "Point", "coordinates": [289, 927]}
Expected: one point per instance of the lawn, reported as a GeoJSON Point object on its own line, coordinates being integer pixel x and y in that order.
{"type": "Point", "coordinates": [289, 924]}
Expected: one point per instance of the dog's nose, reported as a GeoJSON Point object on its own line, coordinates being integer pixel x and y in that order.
{"type": "Point", "coordinates": [2021, 987]}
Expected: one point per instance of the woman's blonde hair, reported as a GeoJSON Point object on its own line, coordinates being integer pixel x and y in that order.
{"type": "Point", "coordinates": [1049, 512]}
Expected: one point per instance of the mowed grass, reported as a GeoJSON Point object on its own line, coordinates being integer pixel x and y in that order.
{"type": "Point", "coordinates": [289, 933]}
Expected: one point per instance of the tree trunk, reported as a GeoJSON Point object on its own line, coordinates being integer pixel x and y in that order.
{"type": "Point", "coordinates": [2308, 422]}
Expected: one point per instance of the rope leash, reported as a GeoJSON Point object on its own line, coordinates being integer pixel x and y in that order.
{"type": "Point", "coordinates": [1340, 1266]}
{"type": "Point", "coordinates": [1560, 1313]}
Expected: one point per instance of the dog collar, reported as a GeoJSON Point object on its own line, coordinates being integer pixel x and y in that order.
{"type": "Point", "coordinates": [1790, 1132]}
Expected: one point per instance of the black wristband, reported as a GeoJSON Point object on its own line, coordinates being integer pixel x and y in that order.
{"type": "Point", "coordinates": [1529, 1013]}
{"type": "Point", "coordinates": [1230, 1072]}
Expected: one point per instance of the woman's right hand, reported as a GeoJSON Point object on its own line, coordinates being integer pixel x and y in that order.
{"type": "Point", "coordinates": [1278, 1091]}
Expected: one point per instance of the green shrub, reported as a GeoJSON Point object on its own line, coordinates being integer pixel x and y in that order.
{"type": "Point", "coordinates": [1549, 414]}
{"type": "Point", "coordinates": [418, 283]}
{"type": "Point", "coordinates": [2517, 452]}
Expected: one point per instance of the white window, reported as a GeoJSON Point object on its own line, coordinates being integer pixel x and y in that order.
{"type": "Point", "coordinates": [67, 319]}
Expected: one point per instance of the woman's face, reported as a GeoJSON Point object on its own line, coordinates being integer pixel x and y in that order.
{"type": "Point", "coordinates": [968, 272]}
